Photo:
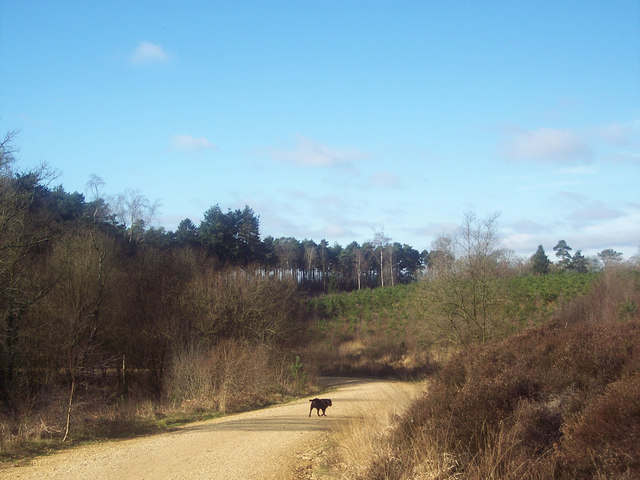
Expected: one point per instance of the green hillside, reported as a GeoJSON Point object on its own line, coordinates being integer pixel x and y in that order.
{"type": "Point", "coordinates": [400, 330]}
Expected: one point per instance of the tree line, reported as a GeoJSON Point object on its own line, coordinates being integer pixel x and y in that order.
{"type": "Point", "coordinates": [93, 298]}
{"type": "Point", "coordinates": [233, 238]}
{"type": "Point", "coordinates": [578, 263]}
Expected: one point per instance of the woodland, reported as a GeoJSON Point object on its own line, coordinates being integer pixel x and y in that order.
{"type": "Point", "coordinates": [112, 327]}
{"type": "Point", "coordinates": [98, 306]}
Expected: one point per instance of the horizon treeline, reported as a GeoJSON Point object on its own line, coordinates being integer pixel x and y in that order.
{"type": "Point", "coordinates": [233, 239]}
{"type": "Point", "coordinates": [229, 239]}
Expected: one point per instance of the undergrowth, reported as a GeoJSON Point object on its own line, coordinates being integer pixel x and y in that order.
{"type": "Point", "coordinates": [201, 383]}
{"type": "Point", "coordinates": [561, 400]}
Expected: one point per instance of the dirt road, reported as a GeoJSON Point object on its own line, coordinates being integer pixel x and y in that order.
{"type": "Point", "coordinates": [274, 443]}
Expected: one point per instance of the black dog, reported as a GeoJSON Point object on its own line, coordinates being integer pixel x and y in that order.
{"type": "Point", "coordinates": [320, 404]}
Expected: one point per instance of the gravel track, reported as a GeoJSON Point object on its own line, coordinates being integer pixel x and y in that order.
{"type": "Point", "coordinates": [279, 442]}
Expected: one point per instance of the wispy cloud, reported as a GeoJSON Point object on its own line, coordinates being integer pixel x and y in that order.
{"type": "Point", "coordinates": [524, 243]}
{"type": "Point", "coordinates": [187, 142]}
{"type": "Point", "coordinates": [620, 133]}
{"type": "Point", "coordinates": [624, 157]}
{"type": "Point", "coordinates": [572, 197]}
{"type": "Point", "coordinates": [620, 232]}
{"type": "Point", "coordinates": [285, 218]}
{"type": "Point", "coordinates": [584, 210]}
{"type": "Point", "coordinates": [624, 138]}
{"type": "Point", "coordinates": [384, 179]}
{"type": "Point", "coordinates": [434, 229]}
{"type": "Point", "coordinates": [528, 227]}
{"type": "Point", "coordinates": [309, 152]}
{"type": "Point", "coordinates": [596, 228]}
{"type": "Point", "coordinates": [148, 53]}
{"type": "Point", "coordinates": [547, 145]}
{"type": "Point", "coordinates": [596, 211]}
{"type": "Point", "coordinates": [578, 170]}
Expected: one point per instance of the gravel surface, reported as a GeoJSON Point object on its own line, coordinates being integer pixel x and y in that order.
{"type": "Point", "coordinates": [279, 442]}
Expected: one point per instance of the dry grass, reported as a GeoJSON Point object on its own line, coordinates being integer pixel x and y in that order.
{"type": "Point", "coordinates": [376, 354]}
{"type": "Point", "coordinates": [365, 436]}
{"type": "Point", "coordinates": [558, 401]}
{"type": "Point", "coordinates": [232, 376]}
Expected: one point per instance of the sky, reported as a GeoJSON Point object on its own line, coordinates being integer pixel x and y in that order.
{"type": "Point", "coordinates": [339, 119]}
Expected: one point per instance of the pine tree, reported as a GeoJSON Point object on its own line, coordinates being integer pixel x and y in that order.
{"type": "Point", "coordinates": [579, 263]}
{"type": "Point", "coordinates": [562, 252]}
{"type": "Point", "coordinates": [540, 262]}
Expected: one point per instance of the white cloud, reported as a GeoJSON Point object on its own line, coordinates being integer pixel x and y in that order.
{"type": "Point", "coordinates": [623, 140]}
{"type": "Point", "coordinates": [573, 197]}
{"type": "Point", "coordinates": [579, 170]}
{"type": "Point", "coordinates": [621, 133]}
{"type": "Point", "coordinates": [336, 230]}
{"type": "Point", "coordinates": [623, 157]}
{"type": "Point", "coordinates": [187, 142]}
{"type": "Point", "coordinates": [522, 243]}
{"type": "Point", "coordinates": [616, 133]}
{"type": "Point", "coordinates": [308, 152]}
{"type": "Point", "coordinates": [547, 145]}
{"type": "Point", "coordinates": [147, 53]}
{"type": "Point", "coordinates": [622, 234]}
{"type": "Point", "coordinates": [384, 179]}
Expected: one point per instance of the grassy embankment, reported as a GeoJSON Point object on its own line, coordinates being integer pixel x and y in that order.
{"type": "Point", "coordinates": [561, 399]}
{"type": "Point", "coordinates": [399, 331]}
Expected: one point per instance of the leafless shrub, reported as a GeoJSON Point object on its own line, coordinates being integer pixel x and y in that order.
{"type": "Point", "coordinates": [242, 374]}
{"type": "Point", "coordinates": [557, 401]}
{"type": "Point", "coordinates": [189, 379]}
{"type": "Point", "coordinates": [232, 375]}
{"type": "Point", "coordinates": [238, 304]}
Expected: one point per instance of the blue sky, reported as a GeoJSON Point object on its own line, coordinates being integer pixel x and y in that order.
{"type": "Point", "coordinates": [336, 119]}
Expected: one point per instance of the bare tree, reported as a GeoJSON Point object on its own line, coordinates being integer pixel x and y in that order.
{"type": "Point", "coordinates": [359, 257]}
{"type": "Point", "coordinates": [381, 242]}
{"type": "Point", "coordinates": [23, 234]}
{"type": "Point", "coordinates": [75, 307]}
{"type": "Point", "coordinates": [310, 255]}
{"type": "Point", "coordinates": [286, 249]}
{"type": "Point", "coordinates": [98, 206]}
{"type": "Point", "coordinates": [134, 211]}
{"type": "Point", "coordinates": [464, 268]}
{"type": "Point", "coordinates": [7, 152]}
{"type": "Point", "coordinates": [237, 304]}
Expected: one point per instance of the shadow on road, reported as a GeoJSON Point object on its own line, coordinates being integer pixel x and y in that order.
{"type": "Point", "coordinates": [331, 382]}
{"type": "Point", "coordinates": [285, 421]}
{"type": "Point", "coordinates": [278, 423]}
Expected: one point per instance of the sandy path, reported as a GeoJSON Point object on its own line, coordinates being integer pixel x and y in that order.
{"type": "Point", "coordinates": [273, 443]}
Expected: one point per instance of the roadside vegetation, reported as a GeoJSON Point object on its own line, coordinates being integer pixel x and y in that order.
{"type": "Point", "coordinates": [558, 400]}
{"type": "Point", "coordinates": [110, 328]}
